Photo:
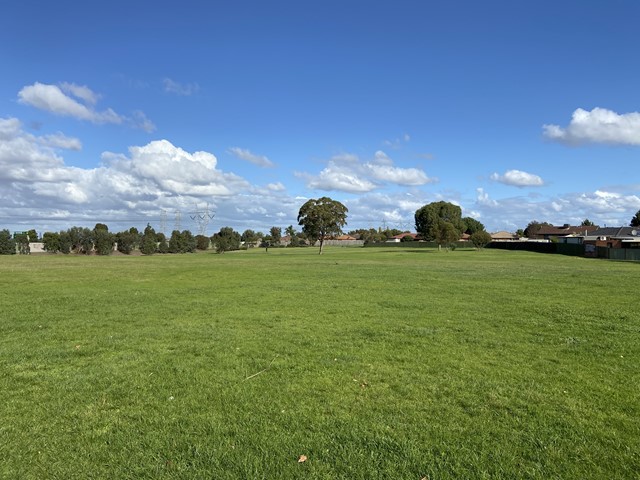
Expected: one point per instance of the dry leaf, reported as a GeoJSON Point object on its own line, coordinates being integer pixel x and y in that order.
{"type": "Point", "coordinates": [303, 458]}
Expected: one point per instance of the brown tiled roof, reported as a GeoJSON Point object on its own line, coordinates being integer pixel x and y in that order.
{"type": "Point", "coordinates": [565, 230]}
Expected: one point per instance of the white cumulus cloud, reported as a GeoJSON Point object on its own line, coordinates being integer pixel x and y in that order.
{"type": "Point", "coordinates": [597, 126]}
{"type": "Point", "coordinates": [518, 178]}
{"type": "Point", "coordinates": [348, 173]}
{"type": "Point", "coordinates": [35, 181]}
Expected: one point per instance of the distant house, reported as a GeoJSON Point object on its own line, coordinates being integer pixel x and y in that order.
{"type": "Point", "coordinates": [614, 237]}
{"type": "Point", "coordinates": [550, 232]}
{"type": "Point", "coordinates": [398, 238]}
{"type": "Point", "coordinates": [503, 236]}
{"type": "Point", "coordinates": [345, 237]}
{"type": "Point", "coordinates": [285, 241]}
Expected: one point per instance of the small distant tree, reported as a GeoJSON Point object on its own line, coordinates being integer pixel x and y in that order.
{"type": "Point", "coordinates": [446, 234]}
{"type": "Point", "coordinates": [7, 243]}
{"type": "Point", "coordinates": [249, 237]}
{"type": "Point", "coordinates": [22, 241]}
{"type": "Point", "coordinates": [226, 239]}
{"type": "Point", "coordinates": [175, 242]}
{"type": "Point", "coordinates": [202, 242]}
{"type": "Point", "coordinates": [587, 223]}
{"type": "Point", "coordinates": [103, 240]}
{"type": "Point", "coordinates": [276, 235]}
{"type": "Point", "coordinates": [370, 235]}
{"type": "Point", "coordinates": [149, 241]}
{"type": "Point", "coordinates": [480, 239]}
{"type": "Point", "coordinates": [407, 238]}
{"type": "Point", "coordinates": [33, 235]}
{"type": "Point", "coordinates": [321, 218]}
{"type": "Point", "coordinates": [534, 227]}
{"type": "Point", "coordinates": [163, 245]}
{"type": "Point", "coordinates": [127, 241]}
{"type": "Point", "coordinates": [51, 242]}
{"type": "Point", "coordinates": [66, 244]}
{"type": "Point", "coordinates": [81, 240]}
{"type": "Point", "coordinates": [635, 220]}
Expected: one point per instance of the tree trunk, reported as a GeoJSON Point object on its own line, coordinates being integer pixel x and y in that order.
{"type": "Point", "coordinates": [321, 243]}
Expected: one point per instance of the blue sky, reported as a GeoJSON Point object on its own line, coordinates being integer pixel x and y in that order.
{"type": "Point", "coordinates": [516, 111]}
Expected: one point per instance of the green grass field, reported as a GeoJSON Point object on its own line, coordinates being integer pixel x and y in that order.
{"type": "Point", "coordinates": [373, 363]}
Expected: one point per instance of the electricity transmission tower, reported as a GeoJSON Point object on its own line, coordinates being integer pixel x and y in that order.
{"type": "Point", "coordinates": [178, 222]}
{"type": "Point", "coordinates": [202, 218]}
{"type": "Point", "coordinates": [163, 222]}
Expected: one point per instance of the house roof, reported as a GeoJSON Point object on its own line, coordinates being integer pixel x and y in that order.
{"type": "Point", "coordinates": [404, 234]}
{"type": "Point", "coordinates": [345, 237]}
{"type": "Point", "coordinates": [617, 232]}
{"type": "Point", "coordinates": [565, 230]}
{"type": "Point", "coordinates": [502, 235]}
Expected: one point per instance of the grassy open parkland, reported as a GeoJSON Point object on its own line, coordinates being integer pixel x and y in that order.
{"type": "Point", "coordinates": [361, 363]}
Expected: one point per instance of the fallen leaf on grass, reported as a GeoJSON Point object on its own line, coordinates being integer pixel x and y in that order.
{"type": "Point", "coordinates": [302, 458]}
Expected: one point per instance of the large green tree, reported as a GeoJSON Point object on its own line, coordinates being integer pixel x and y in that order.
{"type": "Point", "coordinates": [321, 218]}
{"type": "Point", "coordinates": [635, 221]}
{"type": "Point", "coordinates": [439, 222]}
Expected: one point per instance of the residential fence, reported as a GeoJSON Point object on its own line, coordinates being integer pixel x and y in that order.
{"type": "Point", "coordinates": [632, 254]}
{"type": "Point", "coordinates": [572, 249]}
{"type": "Point", "coordinates": [418, 244]}
{"type": "Point", "coordinates": [342, 243]}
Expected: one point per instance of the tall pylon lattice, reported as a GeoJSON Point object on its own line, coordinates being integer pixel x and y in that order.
{"type": "Point", "coordinates": [163, 222]}
{"type": "Point", "coordinates": [178, 221]}
{"type": "Point", "coordinates": [202, 217]}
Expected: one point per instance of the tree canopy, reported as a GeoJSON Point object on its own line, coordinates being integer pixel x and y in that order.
{"type": "Point", "coordinates": [7, 243]}
{"type": "Point", "coordinates": [226, 239]}
{"type": "Point", "coordinates": [480, 239]}
{"type": "Point", "coordinates": [440, 222]}
{"type": "Point", "coordinates": [533, 227]}
{"type": "Point", "coordinates": [321, 218]}
{"type": "Point", "coordinates": [635, 221]}
{"type": "Point", "coordinates": [471, 225]}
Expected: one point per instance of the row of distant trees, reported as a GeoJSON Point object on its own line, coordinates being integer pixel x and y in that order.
{"type": "Point", "coordinates": [439, 222]}
{"type": "Point", "coordinates": [99, 240]}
